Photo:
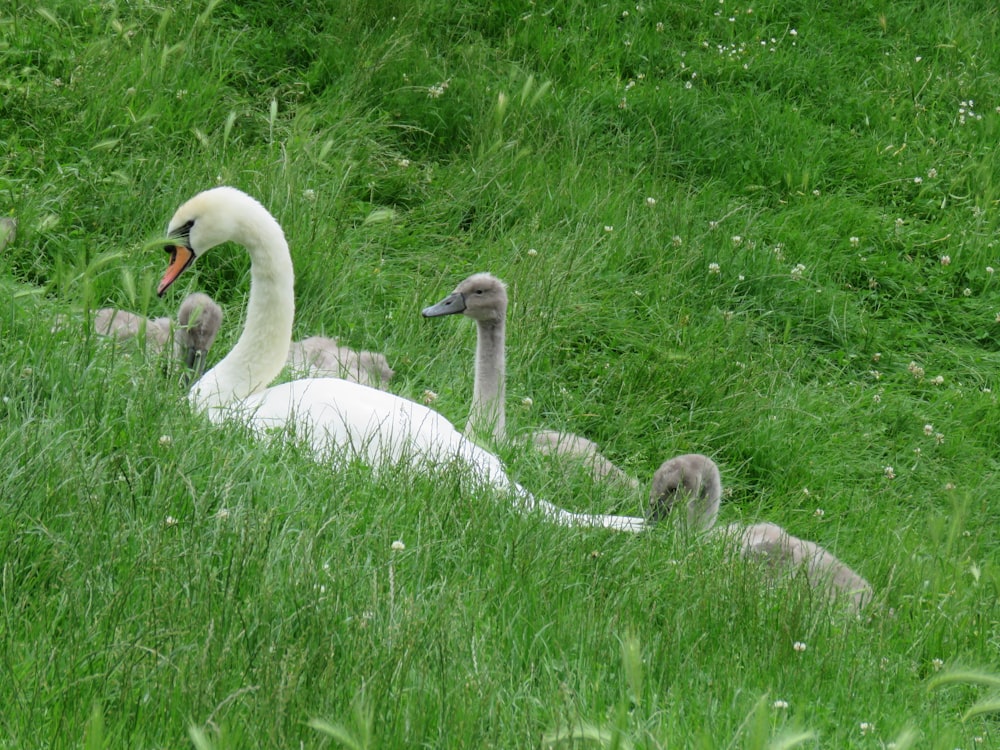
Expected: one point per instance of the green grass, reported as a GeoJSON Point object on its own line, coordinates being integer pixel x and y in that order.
{"type": "Point", "coordinates": [765, 233]}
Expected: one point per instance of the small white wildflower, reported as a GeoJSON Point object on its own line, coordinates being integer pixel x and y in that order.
{"type": "Point", "coordinates": [967, 292]}
{"type": "Point", "coordinates": [793, 32]}
{"type": "Point", "coordinates": [876, 356]}
{"type": "Point", "coordinates": [403, 163]}
{"type": "Point", "coordinates": [876, 399]}
{"type": "Point", "coordinates": [949, 486]}
{"type": "Point", "coordinates": [805, 491]}
{"type": "Point", "coordinates": [659, 25]}
{"type": "Point", "coordinates": [816, 192]}
{"type": "Point", "coordinates": [928, 429]}
{"type": "Point", "coordinates": [430, 397]}
{"type": "Point", "coordinates": [937, 664]}
{"type": "Point", "coordinates": [398, 546]}
{"type": "Point", "coordinates": [899, 223]}
{"type": "Point", "coordinates": [945, 260]}
{"type": "Point", "coordinates": [609, 228]}
{"type": "Point", "coordinates": [170, 521]}
{"type": "Point", "coordinates": [714, 268]}
{"type": "Point", "coordinates": [937, 380]}
{"type": "Point", "coordinates": [797, 271]}
{"type": "Point", "coordinates": [918, 58]}
{"type": "Point", "coordinates": [526, 402]}
{"type": "Point", "coordinates": [165, 441]}
{"type": "Point", "coordinates": [799, 646]}
{"type": "Point", "coordinates": [780, 704]}
{"type": "Point", "coordinates": [736, 240]}
{"type": "Point", "coordinates": [677, 240]}
{"type": "Point", "coordinates": [309, 194]}
{"type": "Point", "coordinates": [915, 370]}
{"type": "Point", "coordinates": [889, 472]}
{"type": "Point", "coordinates": [855, 241]}
{"type": "Point", "coordinates": [819, 513]}
{"type": "Point", "coordinates": [532, 252]}
{"type": "Point", "coordinates": [867, 727]}
{"type": "Point", "coordinates": [918, 180]}
{"type": "Point", "coordinates": [989, 270]}
{"type": "Point", "coordinates": [939, 437]}
{"type": "Point", "coordinates": [931, 173]}
{"type": "Point", "coordinates": [650, 201]}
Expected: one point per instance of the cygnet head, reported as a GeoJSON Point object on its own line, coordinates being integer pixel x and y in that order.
{"type": "Point", "coordinates": [692, 479]}
{"type": "Point", "coordinates": [199, 321]}
{"type": "Point", "coordinates": [208, 219]}
{"type": "Point", "coordinates": [482, 297]}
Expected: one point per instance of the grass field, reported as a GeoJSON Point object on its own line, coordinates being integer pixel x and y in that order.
{"type": "Point", "coordinates": [766, 232]}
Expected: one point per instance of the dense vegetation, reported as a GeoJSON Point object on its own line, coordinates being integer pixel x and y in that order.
{"type": "Point", "coordinates": [764, 232]}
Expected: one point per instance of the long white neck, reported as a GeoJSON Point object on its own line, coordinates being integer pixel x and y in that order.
{"type": "Point", "coordinates": [260, 354]}
{"type": "Point", "coordinates": [487, 417]}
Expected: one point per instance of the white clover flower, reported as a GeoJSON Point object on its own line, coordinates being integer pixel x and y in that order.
{"type": "Point", "coordinates": [876, 356]}
{"type": "Point", "coordinates": [918, 180]}
{"type": "Point", "coordinates": [650, 201]}
{"type": "Point", "coordinates": [931, 173]}
{"type": "Point", "coordinates": [736, 240]}
{"type": "Point", "coordinates": [677, 240]}
{"type": "Point", "coordinates": [797, 271]}
{"type": "Point", "coordinates": [855, 241]}
{"type": "Point", "coordinates": [899, 223]}
{"type": "Point", "coordinates": [889, 472]}
{"type": "Point", "coordinates": [989, 270]}
{"type": "Point", "coordinates": [867, 727]}
{"type": "Point", "coordinates": [780, 704]}
{"type": "Point", "coordinates": [928, 429]}
{"type": "Point", "coordinates": [819, 513]}
{"type": "Point", "coordinates": [165, 441]}
{"type": "Point", "coordinates": [526, 402]}
{"type": "Point", "coordinates": [609, 228]}
{"type": "Point", "coordinates": [403, 163]}
{"type": "Point", "coordinates": [309, 194]}
{"type": "Point", "coordinates": [398, 546]}
{"type": "Point", "coordinates": [532, 252]}
{"type": "Point", "coordinates": [170, 521]}
{"type": "Point", "coordinates": [799, 646]}
{"type": "Point", "coordinates": [937, 380]}
{"type": "Point", "coordinates": [430, 397]}
{"type": "Point", "coordinates": [714, 268]}
{"type": "Point", "coordinates": [966, 292]}
{"type": "Point", "coordinates": [876, 399]}
{"type": "Point", "coordinates": [945, 260]}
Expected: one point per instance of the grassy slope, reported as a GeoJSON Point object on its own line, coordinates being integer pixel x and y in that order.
{"type": "Point", "coordinates": [766, 139]}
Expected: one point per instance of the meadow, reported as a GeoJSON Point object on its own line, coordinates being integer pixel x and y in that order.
{"type": "Point", "coordinates": [765, 232]}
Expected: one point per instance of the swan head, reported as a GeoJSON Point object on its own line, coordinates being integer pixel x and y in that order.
{"type": "Point", "coordinates": [482, 297]}
{"type": "Point", "coordinates": [199, 319]}
{"type": "Point", "coordinates": [222, 214]}
{"type": "Point", "coordinates": [691, 479]}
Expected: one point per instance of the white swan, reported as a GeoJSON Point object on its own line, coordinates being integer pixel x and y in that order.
{"type": "Point", "coordinates": [483, 297]}
{"type": "Point", "coordinates": [318, 356]}
{"type": "Point", "coordinates": [695, 478]}
{"type": "Point", "coordinates": [198, 321]}
{"type": "Point", "coordinates": [336, 416]}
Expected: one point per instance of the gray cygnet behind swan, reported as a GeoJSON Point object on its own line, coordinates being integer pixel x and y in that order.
{"type": "Point", "coordinates": [483, 297]}
{"type": "Point", "coordinates": [318, 356]}
{"type": "Point", "coordinates": [695, 478]}
{"type": "Point", "coordinates": [199, 319]}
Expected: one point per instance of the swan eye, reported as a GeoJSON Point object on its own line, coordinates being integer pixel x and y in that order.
{"type": "Point", "coordinates": [183, 232]}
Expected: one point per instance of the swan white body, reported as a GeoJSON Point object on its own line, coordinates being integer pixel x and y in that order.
{"type": "Point", "coordinates": [338, 417]}
{"type": "Point", "coordinates": [695, 478]}
{"type": "Point", "coordinates": [483, 297]}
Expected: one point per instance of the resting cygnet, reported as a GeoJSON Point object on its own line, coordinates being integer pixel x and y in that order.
{"type": "Point", "coordinates": [318, 356]}
{"type": "Point", "coordinates": [199, 320]}
{"type": "Point", "coordinates": [694, 479]}
{"type": "Point", "coordinates": [483, 297]}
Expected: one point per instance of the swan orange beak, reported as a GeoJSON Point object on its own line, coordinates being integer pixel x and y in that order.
{"type": "Point", "coordinates": [181, 257]}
